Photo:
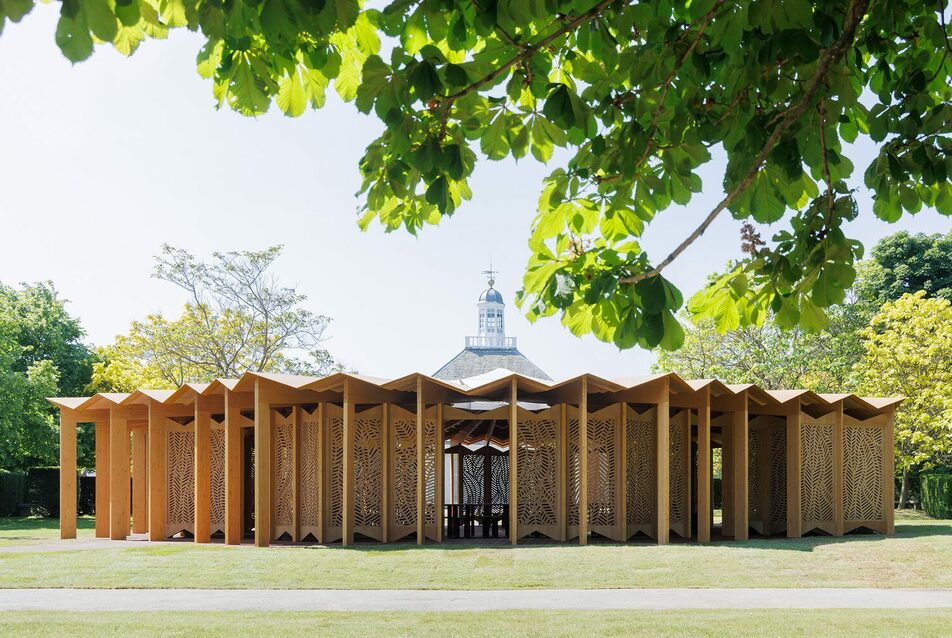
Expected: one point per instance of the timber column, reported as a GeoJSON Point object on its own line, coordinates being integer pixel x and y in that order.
{"type": "Point", "coordinates": [67, 474]}
{"type": "Point", "coordinates": [794, 517]}
{"type": "Point", "coordinates": [232, 470]}
{"type": "Point", "coordinates": [663, 466]}
{"type": "Point", "coordinates": [262, 465]}
{"type": "Point", "coordinates": [347, 516]}
{"type": "Point", "coordinates": [103, 462]}
{"type": "Point", "coordinates": [421, 459]}
{"type": "Point", "coordinates": [118, 475]}
{"type": "Point", "coordinates": [203, 470]}
{"type": "Point", "coordinates": [704, 467]}
{"type": "Point", "coordinates": [513, 463]}
{"type": "Point", "coordinates": [158, 476]}
{"type": "Point", "coordinates": [583, 464]}
{"type": "Point", "coordinates": [739, 432]}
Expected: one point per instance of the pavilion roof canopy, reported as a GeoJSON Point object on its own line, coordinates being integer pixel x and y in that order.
{"type": "Point", "coordinates": [491, 386]}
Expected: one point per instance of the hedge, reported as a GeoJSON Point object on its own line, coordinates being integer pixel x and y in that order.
{"type": "Point", "coordinates": [937, 494]}
{"type": "Point", "coordinates": [12, 492]}
{"type": "Point", "coordinates": [42, 490]}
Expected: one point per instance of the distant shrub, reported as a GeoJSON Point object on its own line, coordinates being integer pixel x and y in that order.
{"type": "Point", "coordinates": [87, 495]}
{"type": "Point", "coordinates": [12, 492]}
{"type": "Point", "coordinates": [42, 490]}
{"type": "Point", "coordinates": [718, 493]}
{"type": "Point", "coordinates": [937, 494]}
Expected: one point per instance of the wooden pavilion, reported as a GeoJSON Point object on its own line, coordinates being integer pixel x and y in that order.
{"type": "Point", "coordinates": [346, 457]}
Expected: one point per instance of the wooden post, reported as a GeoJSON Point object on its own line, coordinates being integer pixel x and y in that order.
{"type": "Point", "coordinates": [583, 464]}
{"type": "Point", "coordinates": [158, 480]}
{"type": "Point", "coordinates": [232, 470]}
{"type": "Point", "coordinates": [140, 478]}
{"type": "Point", "coordinates": [322, 438]}
{"type": "Point", "coordinates": [118, 475]}
{"type": "Point", "coordinates": [421, 487]}
{"type": "Point", "coordinates": [385, 475]}
{"type": "Point", "coordinates": [203, 470]}
{"type": "Point", "coordinates": [563, 476]}
{"type": "Point", "coordinates": [889, 473]}
{"type": "Point", "coordinates": [440, 462]}
{"type": "Point", "coordinates": [663, 467]}
{"type": "Point", "coordinates": [513, 462]}
{"type": "Point", "coordinates": [838, 523]}
{"type": "Point", "coordinates": [297, 418]}
{"type": "Point", "coordinates": [103, 461]}
{"type": "Point", "coordinates": [263, 420]}
{"type": "Point", "coordinates": [67, 474]}
{"type": "Point", "coordinates": [794, 517]}
{"type": "Point", "coordinates": [621, 476]}
{"type": "Point", "coordinates": [739, 472]}
{"type": "Point", "coordinates": [347, 516]}
{"type": "Point", "coordinates": [704, 467]}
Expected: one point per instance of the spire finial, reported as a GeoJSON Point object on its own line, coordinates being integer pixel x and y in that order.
{"type": "Point", "coordinates": [491, 273]}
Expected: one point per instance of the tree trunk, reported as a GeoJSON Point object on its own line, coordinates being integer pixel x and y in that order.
{"type": "Point", "coordinates": [904, 490]}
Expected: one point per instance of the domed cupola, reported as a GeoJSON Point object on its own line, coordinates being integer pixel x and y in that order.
{"type": "Point", "coordinates": [491, 332]}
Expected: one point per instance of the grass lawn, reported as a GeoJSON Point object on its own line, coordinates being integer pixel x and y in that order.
{"type": "Point", "coordinates": [919, 555]}
{"type": "Point", "coordinates": [15, 531]}
{"type": "Point", "coordinates": [835, 622]}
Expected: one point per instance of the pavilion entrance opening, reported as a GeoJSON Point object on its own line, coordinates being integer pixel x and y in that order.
{"type": "Point", "coordinates": [476, 471]}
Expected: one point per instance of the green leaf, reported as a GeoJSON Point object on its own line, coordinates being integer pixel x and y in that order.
{"type": "Point", "coordinates": [438, 193]}
{"type": "Point", "coordinates": [291, 97]}
{"type": "Point", "coordinates": [73, 39]}
{"type": "Point", "coordinates": [102, 21]}
{"type": "Point", "coordinates": [673, 332]}
{"type": "Point", "coordinates": [347, 11]}
{"type": "Point", "coordinates": [495, 141]}
{"type": "Point", "coordinates": [812, 317]}
{"type": "Point", "coordinates": [425, 80]}
{"type": "Point", "coordinates": [173, 12]}
{"type": "Point", "coordinates": [15, 9]}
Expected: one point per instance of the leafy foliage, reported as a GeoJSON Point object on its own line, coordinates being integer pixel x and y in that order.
{"type": "Point", "coordinates": [239, 317]}
{"type": "Point", "coordinates": [908, 347]}
{"type": "Point", "coordinates": [639, 93]}
{"type": "Point", "coordinates": [906, 263]}
{"type": "Point", "coordinates": [41, 355]}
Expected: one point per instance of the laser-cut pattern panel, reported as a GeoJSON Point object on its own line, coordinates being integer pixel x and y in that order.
{"type": "Point", "coordinates": [368, 468]}
{"type": "Point", "coordinates": [778, 477]}
{"type": "Point", "coordinates": [181, 476]}
{"type": "Point", "coordinates": [403, 479]}
{"type": "Point", "coordinates": [574, 469]}
{"type": "Point", "coordinates": [473, 478]}
{"type": "Point", "coordinates": [537, 462]}
{"type": "Point", "coordinates": [429, 469]}
{"type": "Point", "coordinates": [283, 429]}
{"type": "Point", "coordinates": [816, 472]}
{"type": "Point", "coordinates": [310, 477]}
{"type": "Point", "coordinates": [499, 487]}
{"type": "Point", "coordinates": [218, 480]}
{"type": "Point", "coordinates": [676, 460]}
{"type": "Point", "coordinates": [602, 467]}
{"type": "Point", "coordinates": [753, 475]}
{"type": "Point", "coordinates": [335, 460]}
{"type": "Point", "coordinates": [641, 469]}
{"type": "Point", "coordinates": [862, 473]}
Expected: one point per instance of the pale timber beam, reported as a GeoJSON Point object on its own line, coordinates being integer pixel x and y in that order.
{"type": "Point", "coordinates": [440, 462]}
{"type": "Point", "coordinates": [583, 464]}
{"type": "Point", "coordinates": [513, 462]}
{"type": "Point", "coordinates": [563, 472]}
{"type": "Point", "coordinates": [663, 466]}
{"type": "Point", "coordinates": [889, 472]}
{"type": "Point", "coordinates": [158, 477]}
{"type": "Point", "coordinates": [385, 474]}
{"type": "Point", "coordinates": [739, 430]}
{"type": "Point", "coordinates": [838, 523]}
{"type": "Point", "coordinates": [621, 475]}
{"type": "Point", "coordinates": [263, 421]}
{"type": "Point", "coordinates": [103, 462]}
{"type": "Point", "coordinates": [347, 517]}
{"type": "Point", "coordinates": [67, 474]}
{"type": "Point", "coordinates": [140, 482]}
{"type": "Point", "coordinates": [297, 418]}
{"type": "Point", "coordinates": [421, 488]}
{"type": "Point", "coordinates": [203, 470]}
{"type": "Point", "coordinates": [794, 517]}
{"type": "Point", "coordinates": [232, 469]}
{"type": "Point", "coordinates": [118, 475]}
{"type": "Point", "coordinates": [704, 512]}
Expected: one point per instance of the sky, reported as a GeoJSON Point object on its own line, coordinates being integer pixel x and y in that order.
{"type": "Point", "coordinates": [103, 162]}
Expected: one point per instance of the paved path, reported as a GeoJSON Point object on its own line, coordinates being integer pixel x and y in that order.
{"type": "Point", "coordinates": [420, 600]}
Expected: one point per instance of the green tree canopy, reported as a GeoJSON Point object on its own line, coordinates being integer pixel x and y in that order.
{"type": "Point", "coordinates": [42, 354]}
{"type": "Point", "coordinates": [239, 317]}
{"type": "Point", "coordinates": [641, 95]}
{"type": "Point", "coordinates": [904, 263]}
{"type": "Point", "coordinates": [908, 353]}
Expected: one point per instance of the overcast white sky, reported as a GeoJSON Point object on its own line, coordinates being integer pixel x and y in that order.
{"type": "Point", "coordinates": [103, 162]}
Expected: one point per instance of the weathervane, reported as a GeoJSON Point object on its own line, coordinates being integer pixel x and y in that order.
{"type": "Point", "coordinates": [491, 273]}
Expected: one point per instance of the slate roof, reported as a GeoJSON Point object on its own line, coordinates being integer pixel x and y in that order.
{"type": "Point", "coordinates": [472, 362]}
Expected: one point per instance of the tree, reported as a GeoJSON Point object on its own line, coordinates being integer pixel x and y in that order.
{"type": "Point", "coordinates": [238, 318]}
{"type": "Point", "coordinates": [908, 353]}
{"type": "Point", "coordinates": [770, 357]}
{"type": "Point", "coordinates": [42, 354]}
{"type": "Point", "coordinates": [906, 263]}
{"type": "Point", "coordinates": [642, 94]}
